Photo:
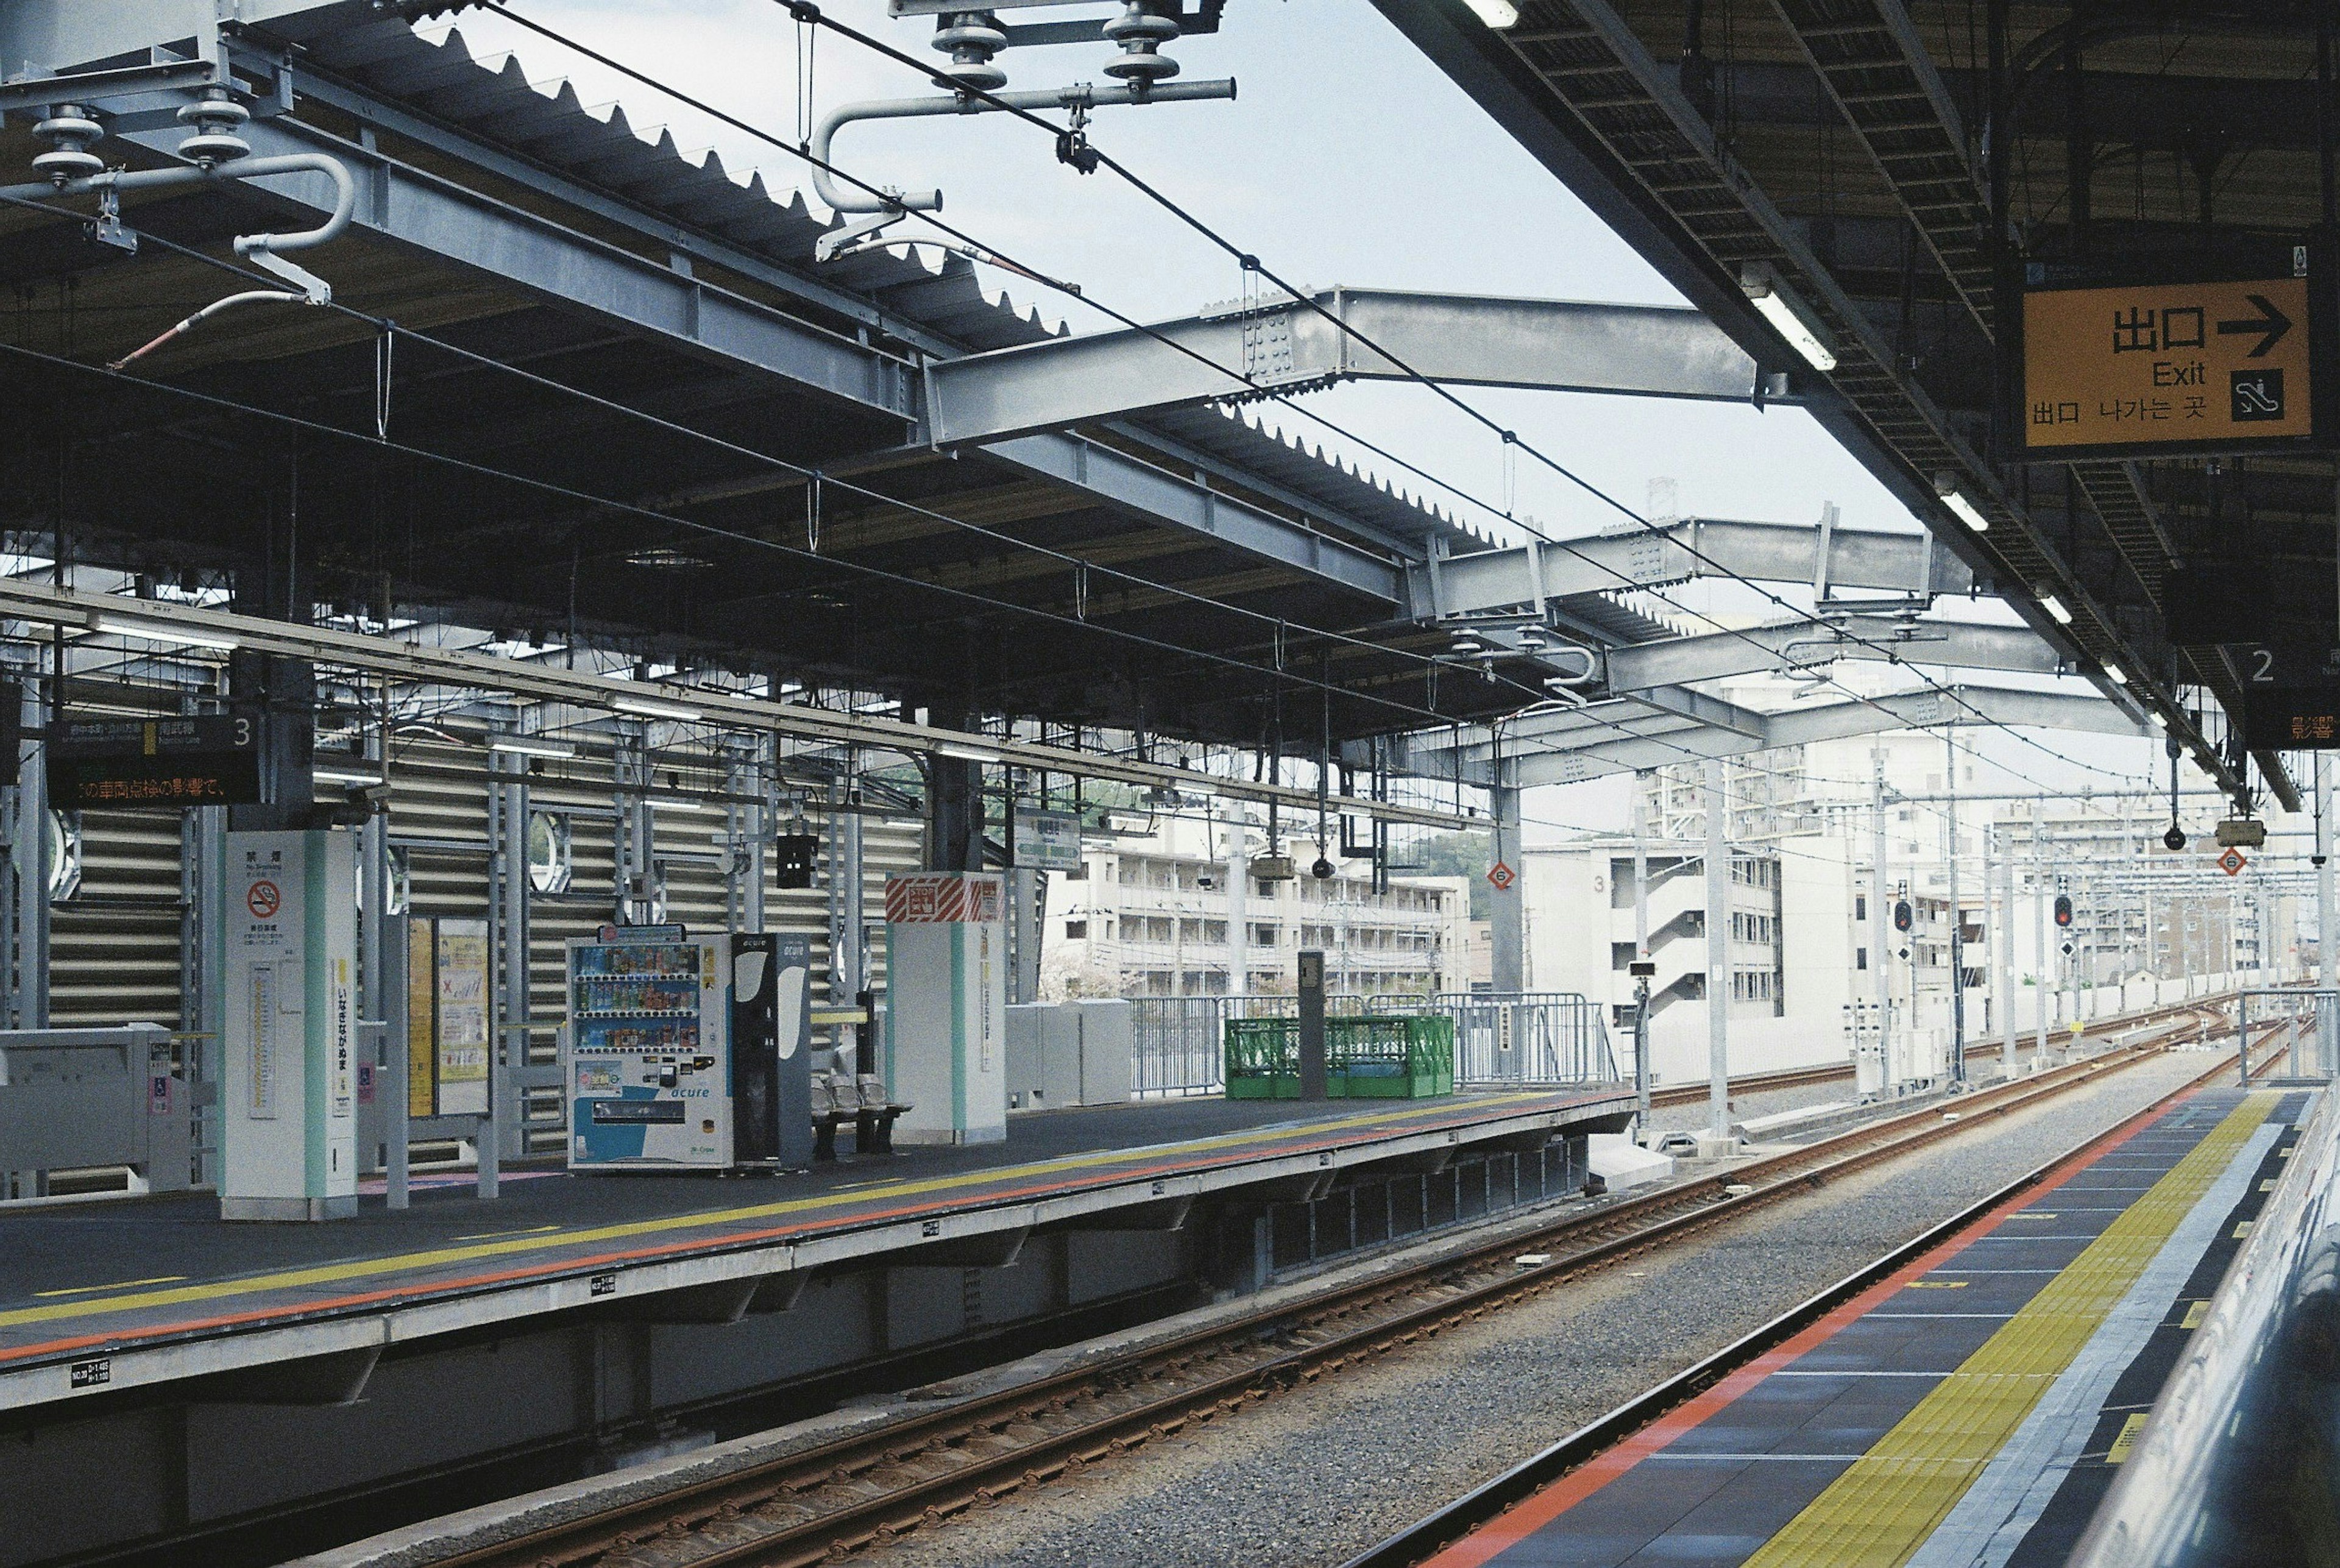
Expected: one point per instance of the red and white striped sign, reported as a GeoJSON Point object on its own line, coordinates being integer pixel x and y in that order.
{"type": "Point", "coordinates": [940, 897]}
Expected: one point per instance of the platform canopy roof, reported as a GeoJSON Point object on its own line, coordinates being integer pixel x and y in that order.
{"type": "Point", "coordinates": [622, 407]}
{"type": "Point", "coordinates": [1864, 153]}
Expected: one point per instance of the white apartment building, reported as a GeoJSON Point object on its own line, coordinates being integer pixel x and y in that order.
{"type": "Point", "coordinates": [1178, 913]}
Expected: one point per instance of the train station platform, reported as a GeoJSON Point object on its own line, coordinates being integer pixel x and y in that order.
{"type": "Point", "coordinates": [1972, 1408]}
{"type": "Point", "coordinates": [98, 1299]}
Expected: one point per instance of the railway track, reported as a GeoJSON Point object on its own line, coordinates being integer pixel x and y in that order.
{"type": "Point", "coordinates": [1425, 1539]}
{"type": "Point", "coordinates": [821, 1502]}
{"type": "Point", "coordinates": [1840, 1072]}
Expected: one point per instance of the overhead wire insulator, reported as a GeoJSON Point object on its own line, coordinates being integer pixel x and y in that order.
{"type": "Point", "coordinates": [971, 38]}
{"type": "Point", "coordinates": [214, 118]}
{"type": "Point", "coordinates": [1141, 30]}
{"type": "Point", "coordinates": [70, 134]}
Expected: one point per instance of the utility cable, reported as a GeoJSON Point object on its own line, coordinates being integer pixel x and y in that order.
{"type": "Point", "coordinates": [809, 13]}
{"type": "Point", "coordinates": [803, 10]}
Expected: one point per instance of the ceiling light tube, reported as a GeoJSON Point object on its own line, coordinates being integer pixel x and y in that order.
{"type": "Point", "coordinates": [1960, 507]}
{"type": "Point", "coordinates": [681, 803]}
{"type": "Point", "coordinates": [2114, 673]}
{"type": "Point", "coordinates": [1789, 315]}
{"type": "Point", "coordinates": [2159, 722]}
{"type": "Point", "coordinates": [344, 776]}
{"type": "Point", "coordinates": [650, 707]}
{"type": "Point", "coordinates": [968, 753]}
{"type": "Point", "coordinates": [1496, 13]}
{"type": "Point", "coordinates": [2055, 607]}
{"type": "Point", "coordinates": [150, 632]}
{"type": "Point", "coordinates": [529, 746]}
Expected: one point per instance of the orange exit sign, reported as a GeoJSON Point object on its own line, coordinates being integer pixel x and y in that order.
{"type": "Point", "coordinates": [2168, 366]}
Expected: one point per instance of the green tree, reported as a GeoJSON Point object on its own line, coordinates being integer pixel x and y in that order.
{"type": "Point", "coordinates": [1459, 854]}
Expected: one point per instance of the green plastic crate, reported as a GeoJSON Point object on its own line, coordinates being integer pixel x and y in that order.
{"type": "Point", "coordinates": [1378, 1056]}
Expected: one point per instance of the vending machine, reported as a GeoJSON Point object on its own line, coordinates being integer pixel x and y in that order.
{"type": "Point", "coordinates": [673, 1053]}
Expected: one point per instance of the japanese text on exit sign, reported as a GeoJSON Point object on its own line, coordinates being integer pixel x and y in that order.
{"type": "Point", "coordinates": [2164, 364]}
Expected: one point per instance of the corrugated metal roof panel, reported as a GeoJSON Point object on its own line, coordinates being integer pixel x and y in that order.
{"type": "Point", "coordinates": [939, 290]}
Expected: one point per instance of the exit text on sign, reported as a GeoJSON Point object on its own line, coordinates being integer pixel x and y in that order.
{"type": "Point", "coordinates": [2165, 363]}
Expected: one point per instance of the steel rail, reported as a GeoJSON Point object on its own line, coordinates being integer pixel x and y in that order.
{"type": "Point", "coordinates": [1492, 1499]}
{"type": "Point", "coordinates": [806, 1507]}
{"type": "Point", "coordinates": [1804, 1078]}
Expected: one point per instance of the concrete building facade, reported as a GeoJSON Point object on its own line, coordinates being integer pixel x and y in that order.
{"type": "Point", "coordinates": [1177, 913]}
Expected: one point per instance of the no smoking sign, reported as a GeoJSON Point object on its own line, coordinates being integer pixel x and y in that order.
{"type": "Point", "coordinates": [263, 899]}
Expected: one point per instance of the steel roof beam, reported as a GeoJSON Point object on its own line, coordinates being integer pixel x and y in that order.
{"type": "Point", "coordinates": [1569, 745]}
{"type": "Point", "coordinates": [419, 213]}
{"type": "Point", "coordinates": [1801, 645]}
{"type": "Point", "coordinates": [1558, 345]}
{"type": "Point", "coordinates": [1870, 559]}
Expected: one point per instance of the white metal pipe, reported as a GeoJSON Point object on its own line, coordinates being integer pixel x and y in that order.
{"type": "Point", "coordinates": [345, 192]}
{"type": "Point", "coordinates": [1080, 95]}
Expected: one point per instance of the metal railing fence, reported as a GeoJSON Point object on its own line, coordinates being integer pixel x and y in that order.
{"type": "Point", "coordinates": [1512, 1037]}
{"type": "Point", "coordinates": [1527, 1037]}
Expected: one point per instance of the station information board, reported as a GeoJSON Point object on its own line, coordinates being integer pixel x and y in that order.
{"type": "Point", "coordinates": [2171, 366]}
{"type": "Point", "coordinates": [2303, 717]}
{"type": "Point", "coordinates": [1047, 840]}
{"type": "Point", "coordinates": [157, 762]}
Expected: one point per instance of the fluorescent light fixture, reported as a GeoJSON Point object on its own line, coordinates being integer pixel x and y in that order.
{"type": "Point", "coordinates": [968, 753]}
{"type": "Point", "coordinates": [681, 803]}
{"type": "Point", "coordinates": [2055, 607]}
{"type": "Point", "coordinates": [2114, 673]}
{"type": "Point", "coordinates": [2159, 722]}
{"type": "Point", "coordinates": [345, 776]}
{"type": "Point", "coordinates": [650, 707]}
{"type": "Point", "coordinates": [1965, 511]}
{"type": "Point", "coordinates": [1496, 13]}
{"type": "Point", "coordinates": [149, 631]}
{"type": "Point", "coordinates": [527, 745]}
{"type": "Point", "coordinates": [1794, 320]}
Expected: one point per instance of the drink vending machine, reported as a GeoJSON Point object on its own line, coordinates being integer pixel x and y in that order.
{"type": "Point", "coordinates": [687, 1053]}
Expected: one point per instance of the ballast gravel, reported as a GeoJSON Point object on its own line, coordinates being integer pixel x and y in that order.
{"type": "Point", "coordinates": [1313, 1476]}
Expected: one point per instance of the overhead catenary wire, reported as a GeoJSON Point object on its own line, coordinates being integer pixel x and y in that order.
{"type": "Point", "coordinates": [1274, 394]}
{"type": "Point", "coordinates": [805, 13]}
{"type": "Point", "coordinates": [1279, 675]}
{"type": "Point", "coordinates": [814, 475]}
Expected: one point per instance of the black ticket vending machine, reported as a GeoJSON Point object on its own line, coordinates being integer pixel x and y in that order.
{"type": "Point", "coordinates": [771, 1055]}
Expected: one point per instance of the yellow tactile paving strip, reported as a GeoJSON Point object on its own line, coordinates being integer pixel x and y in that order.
{"type": "Point", "coordinates": [1881, 1510]}
{"type": "Point", "coordinates": [836, 1209]}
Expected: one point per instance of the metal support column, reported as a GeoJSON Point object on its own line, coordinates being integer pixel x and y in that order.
{"type": "Point", "coordinates": [1313, 1085]}
{"type": "Point", "coordinates": [1507, 908]}
{"type": "Point", "coordinates": [202, 961]}
{"type": "Point", "coordinates": [747, 828]}
{"type": "Point", "coordinates": [2327, 940]}
{"type": "Point", "coordinates": [503, 1130]}
{"type": "Point", "coordinates": [2008, 1026]}
{"type": "Point", "coordinates": [390, 1048]}
{"type": "Point", "coordinates": [1880, 920]}
{"type": "Point", "coordinates": [1717, 953]}
{"type": "Point", "coordinates": [1957, 911]}
{"type": "Point", "coordinates": [28, 960]}
{"type": "Point", "coordinates": [2042, 900]}
{"type": "Point", "coordinates": [849, 976]}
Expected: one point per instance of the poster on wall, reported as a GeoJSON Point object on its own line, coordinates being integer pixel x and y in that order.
{"type": "Point", "coordinates": [422, 1020]}
{"type": "Point", "coordinates": [462, 972]}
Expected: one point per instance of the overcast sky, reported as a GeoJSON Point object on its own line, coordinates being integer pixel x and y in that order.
{"type": "Point", "coordinates": [1346, 159]}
